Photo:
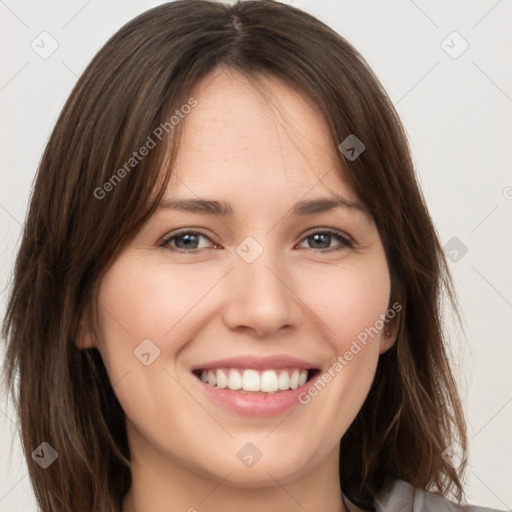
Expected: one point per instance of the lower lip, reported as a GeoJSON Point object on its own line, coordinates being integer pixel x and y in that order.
{"type": "Point", "coordinates": [254, 405]}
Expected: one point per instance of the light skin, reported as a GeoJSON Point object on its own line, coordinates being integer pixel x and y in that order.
{"type": "Point", "coordinates": [299, 297]}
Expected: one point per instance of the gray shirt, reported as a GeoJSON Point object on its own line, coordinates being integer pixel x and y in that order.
{"type": "Point", "coordinates": [400, 496]}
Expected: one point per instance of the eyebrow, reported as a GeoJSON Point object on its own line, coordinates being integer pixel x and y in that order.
{"type": "Point", "coordinates": [225, 209]}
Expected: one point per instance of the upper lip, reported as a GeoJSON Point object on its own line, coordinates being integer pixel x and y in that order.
{"type": "Point", "coordinates": [274, 362]}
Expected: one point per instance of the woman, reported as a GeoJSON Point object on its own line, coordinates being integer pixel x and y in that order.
{"type": "Point", "coordinates": [227, 294]}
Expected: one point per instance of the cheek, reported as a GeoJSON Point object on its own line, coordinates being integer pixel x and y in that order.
{"type": "Point", "coordinates": [148, 309]}
{"type": "Point", "coordinates": [140, 302]}
{"type": "Point", "coordinates": [349, 305]}
{"type": "Point", "coordinates": [350, 300]}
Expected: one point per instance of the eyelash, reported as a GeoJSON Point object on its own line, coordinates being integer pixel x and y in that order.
{"type": "Point", "coordinates": [341, 237]}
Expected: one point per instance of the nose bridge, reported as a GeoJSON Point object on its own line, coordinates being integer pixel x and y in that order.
{"type": "Point", "coordinates": [263, 277]}
{"type": "Point", "coordinates": [259, 297]}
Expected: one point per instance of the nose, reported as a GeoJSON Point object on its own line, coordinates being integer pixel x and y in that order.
{"type": "Point", "coordinates": [261, 299]}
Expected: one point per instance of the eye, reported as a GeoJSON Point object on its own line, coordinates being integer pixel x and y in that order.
{"type": "Point", "coordinates": [185, 241]}
{"type": "Point", "coordinates": [189, 241]}
{"type": "Point", "coordinates": [321, 240]}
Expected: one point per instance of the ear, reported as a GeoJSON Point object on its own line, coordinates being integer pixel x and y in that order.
{"type": "Point", "coordinates": [391, 327]}
{"type": "Point", "coordinates": [84, 339]}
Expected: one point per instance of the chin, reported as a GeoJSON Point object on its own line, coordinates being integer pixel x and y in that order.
{"type": "Point", "coordinates": [274, 465]}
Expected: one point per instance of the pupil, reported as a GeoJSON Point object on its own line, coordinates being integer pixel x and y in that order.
{"type": "Point", "coordinates": [323, 239]}
{"type": "Point", "coordinates": [190, 240]}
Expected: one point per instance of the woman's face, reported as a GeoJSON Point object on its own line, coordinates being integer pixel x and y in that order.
{"type": "Point", "coordinates": [247, 297]}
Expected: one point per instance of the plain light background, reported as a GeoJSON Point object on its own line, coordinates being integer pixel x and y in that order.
{"type": "Point", "coordinates": [456, 105]}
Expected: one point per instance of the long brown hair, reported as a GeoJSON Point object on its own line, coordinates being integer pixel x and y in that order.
{"type": "Point", "coordinates": [73, 232]}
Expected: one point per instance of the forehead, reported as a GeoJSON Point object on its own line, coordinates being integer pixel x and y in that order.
{"type": "Point", "coordinates": [260, 133]}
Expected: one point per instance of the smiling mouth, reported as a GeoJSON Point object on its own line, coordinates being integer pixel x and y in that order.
{"type": "Point", "coordinates": [249, 381]}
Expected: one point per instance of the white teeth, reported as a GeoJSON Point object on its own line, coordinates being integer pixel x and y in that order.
{"type": "Point", "coordinates": [222, 379]}
{"type": "Point", "coordinates": [251, 380]}
{"type": "Point", "coordinates": [212, 379]}
{"type": "Point", "coordinates": [294, 379]}
{"type": "Point", "coordinates": [283, 382]}
{"type": "Point", "coordinates": [234, 380]}
{"type": "Point", "coordinates": [267, 381]}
